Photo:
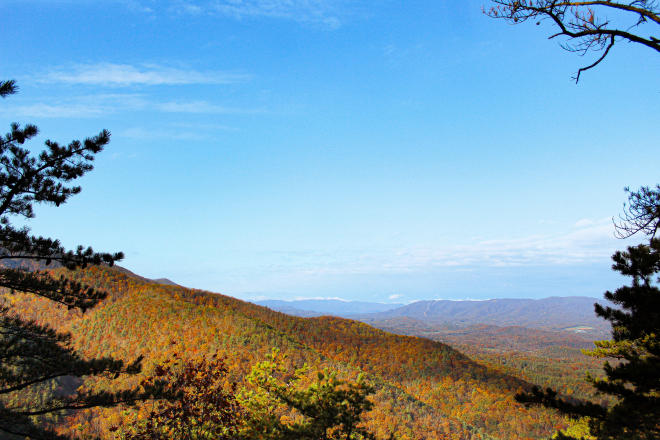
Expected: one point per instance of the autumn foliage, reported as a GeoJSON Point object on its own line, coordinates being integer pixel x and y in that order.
{"type": "Point", "coordinates": [422, 389]}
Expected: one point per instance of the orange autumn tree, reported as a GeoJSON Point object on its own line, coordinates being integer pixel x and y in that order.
{"type": "Point", "coordinates": [202, 403]}
{"type": "Point", "coordinates": [273, 404]}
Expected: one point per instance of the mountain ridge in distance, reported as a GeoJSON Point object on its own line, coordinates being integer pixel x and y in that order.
{"type": "Point", "coordinates": [321, 307]}
{"type": "Point", "coordinates": [557, 313]}
{"type": "Point", "coordinates": [165, 281]}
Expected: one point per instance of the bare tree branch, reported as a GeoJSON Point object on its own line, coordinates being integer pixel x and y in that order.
{"type": "Point", "coordinates": [590, 25]}
{"type": "Point", "coordinates": [640, 214]}
{"type": "Point", "coordinates": [582, 69]}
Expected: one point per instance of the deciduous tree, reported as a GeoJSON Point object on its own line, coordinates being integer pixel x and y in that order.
{"type": "Point", "coordinates": [201, 405]}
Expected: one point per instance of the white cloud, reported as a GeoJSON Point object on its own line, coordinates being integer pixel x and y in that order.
{"type": "Point", "coordinates": [585, 222]}
{"type": "Point", "coordinates": [201, 107]}
{"type": "Point", "coordinates": [578, 245]}
{"type": "Point", "coordinates": [204, 127]}
{"type": "Point", "coordinates": [326, 13]}
{"type": "Point", "coordinates": [186, 132]}
{"type": "Point", "coordinates": [137, 5]}
{"type": "Point", "coordinates": [122, 75]}
{"type": "Point", "coordinates": [187, 8]}
{"type": "Point", "coordinates": [92, 106]}
{"type": "Point", "coordinates": [86, 106]}
{"type": "Point", "coordinates": [140, 133]}
{"type": "Point", "coordinates": [72, 110]}
{"type": "Point", "coordinates": [395, 296]}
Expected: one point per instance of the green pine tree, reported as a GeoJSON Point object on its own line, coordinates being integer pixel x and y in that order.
{"type": "Point", "coordinates": [632, 380]}
{"type": "Point", "coordinates": [326, 409]}
{"type": "Point", "coordinates": [33, 355]}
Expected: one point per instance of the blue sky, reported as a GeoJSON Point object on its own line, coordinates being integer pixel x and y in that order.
{"type": "Point", "coordinates": [379, 151]}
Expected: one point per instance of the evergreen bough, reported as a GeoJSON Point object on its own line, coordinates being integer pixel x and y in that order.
{"type": "Point", "coordinates": [33, 355]}
{"type": "Point", "coordinates": [632, 380]}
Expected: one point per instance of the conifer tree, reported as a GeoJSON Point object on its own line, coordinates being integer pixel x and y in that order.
{"type": "Point", "coordinates": [632, 381]}
{"type": "Point", "coordinates": [32, 355]}
{"type": "Point", "coordinates": [326, 409]}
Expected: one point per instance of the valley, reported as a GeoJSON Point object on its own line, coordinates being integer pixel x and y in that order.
{"type": "Point", "coordinates": [540, 341]}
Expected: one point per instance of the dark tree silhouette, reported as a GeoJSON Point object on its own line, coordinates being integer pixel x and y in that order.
{"type": "Point", "coordinates": [589, 25]}
{"type": "Point", "coordinates": [31, 354]}
{"type": "Point", "coordinates": [633, 380]}
{"type": "Point", "coordinates": [640, 214]}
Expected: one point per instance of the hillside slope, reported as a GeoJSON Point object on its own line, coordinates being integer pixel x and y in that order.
{"type": "Point", "coordinates": [426, 389]}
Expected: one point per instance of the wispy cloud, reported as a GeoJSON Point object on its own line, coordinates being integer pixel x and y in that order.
{"type": "Point", "coordinates": [138, 5]}
{"type": "Point", "coordinates": [327, 13]}
{"type": "Point", "coordinates": [186, 132]}
{"type": "Point", "coordinates": [587, 242]}
{"type": "Point", "coordinates": [93, 106]}
{"type": "Point", "coordinates": [122, 75]}
{"type": "Point", "coordinates": [204, 127]}
{"type": "Point", "coordinates": [63, 110]}
{"type": "Point", "coordinates": [202, 107]}
{"type": "Point", "coordinates": [84, 106]}
{"type": "Point", "coordinates": [140, 133]}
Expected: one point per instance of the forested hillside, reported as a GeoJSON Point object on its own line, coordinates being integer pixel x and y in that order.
{"type": "Point", "coordinates": [424, 389]}
{"type": "Point", "coordinates": [547, 358]}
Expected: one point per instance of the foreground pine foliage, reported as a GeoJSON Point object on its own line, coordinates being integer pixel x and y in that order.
{"type": "Point", "coordinates": [35, 354]}
{"type": "Point", "coordinates": [632, 378]}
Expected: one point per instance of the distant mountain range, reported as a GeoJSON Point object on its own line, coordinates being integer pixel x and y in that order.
{"type": "Point", "coordinates": [574, 313]}
{"type": "Point", "coordinates": [321, 307]}
{"type": "Point", "coordinates": [164, 281]}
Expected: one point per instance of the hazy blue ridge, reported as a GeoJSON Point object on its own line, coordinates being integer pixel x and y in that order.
{"type": "Point", "coordinates": [320, 307]}
{"type": "Point", "coordinates": [554, 313]}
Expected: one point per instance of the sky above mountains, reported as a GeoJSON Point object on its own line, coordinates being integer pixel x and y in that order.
{"type": "Point", "coordinates": [377, 151]}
